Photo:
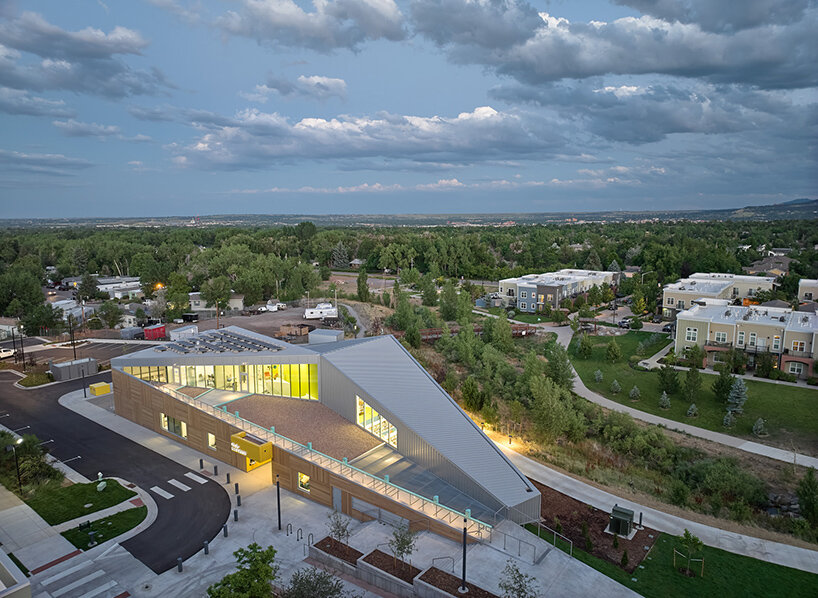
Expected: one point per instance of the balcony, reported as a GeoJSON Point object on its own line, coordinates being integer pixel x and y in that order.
{"type": "Point", "coordinates": [793, 353]}
{"type": "Point", "coordinates": [718, 344]}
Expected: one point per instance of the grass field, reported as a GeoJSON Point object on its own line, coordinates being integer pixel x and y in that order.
{"type": "Point", "coordinates": [726, 575]}
{"type": "Point", "coordinates": [57, 504]}
{"type": "Point", "coordinates": [35, 379]}
{"type": "Point", "coordinates": [108, 527]}
{"type": "Point", "coordinates": [791, 413]}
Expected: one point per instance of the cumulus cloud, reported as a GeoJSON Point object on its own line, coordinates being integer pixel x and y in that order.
{"type": "Point", "coordinates": [85, 61]}
{"type": "Point", "coordinates": [723, 16]}
{"type": "Point", "coordinates": [331, 25]}
{"type": "Point", "coordinates": [314, 86]}
{"type": "Point", "coordinates": [772, 56]}
{"type": "Point", "coordinates": [255, 139]}
{"type": "Point", "coordinates": [18, 101]}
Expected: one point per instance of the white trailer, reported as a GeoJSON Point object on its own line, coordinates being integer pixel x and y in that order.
{"type": "Point", "coordinates": [320, 311]}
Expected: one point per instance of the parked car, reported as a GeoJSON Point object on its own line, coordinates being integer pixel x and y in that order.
{"type": "Point", "coordinates": [6, 352]}
{"type": "Point", "coordinates": [668, 327]}
{"type": "Point", "coordinates": [657, 318]}
{"type": "Point", "coordinates": [624, 322]}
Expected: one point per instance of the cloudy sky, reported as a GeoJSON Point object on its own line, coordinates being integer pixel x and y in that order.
{"type": "Point", "coordinates": [185, 107]}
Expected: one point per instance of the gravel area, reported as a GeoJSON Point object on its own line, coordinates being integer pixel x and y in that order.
{"type": "Point", "coordinates": [307, 421]}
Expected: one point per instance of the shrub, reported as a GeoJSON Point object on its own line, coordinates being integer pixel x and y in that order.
{"type": "Point", "coordinates": [598, 376]}
{"type": "Point", "coordinates": [679, 493]}
{"type": "Point", "coordinates": [729, 420]}
{"type": "Point", "coordinates": [616, 541]}
{"type": "Point", "coordinates": [812, 381]}
{"type": "Point", "coordinates": [615, 387]}
{"type": "Point", "coordinates": [635, 394]}
{"type": "Point", "coordinates": [664, 401]}
{"type": "Point", "coordinates": [624, 561]}
{"type": "Point", "coordinates": [759, 429]}
{"type": "Point", "coordinates": [807, 492]}
{"type": "Point", "coordinates": [740, 511]}
{"type": "Point", "coordinates": [692, 411]}
{"type": "Point", "coordinates": [613, 353]}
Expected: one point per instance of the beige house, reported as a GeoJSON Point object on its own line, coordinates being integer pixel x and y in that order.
{"type": "Point", "coordinates": [197, 304]}
{"type": "Point", "coordinates": [716, 326]}
{"type": "Point", "coordinates": [680, 295]}
{"type": "Point", "coordinates": [808, 289]}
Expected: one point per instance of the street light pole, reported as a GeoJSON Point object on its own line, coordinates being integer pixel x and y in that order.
{"type": "Point", "coordinates": [13, 448]}
{"type": "Point", "coordinates": [463, 589]}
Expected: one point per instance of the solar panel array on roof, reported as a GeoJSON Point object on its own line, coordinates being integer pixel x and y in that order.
{"type": "Point", "coordinates": [219, 341]}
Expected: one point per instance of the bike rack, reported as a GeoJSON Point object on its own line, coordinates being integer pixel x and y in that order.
{"type": "Point", "coordinates": [289, 529]}
{"type": "Point", "coordinates": [299, 534]}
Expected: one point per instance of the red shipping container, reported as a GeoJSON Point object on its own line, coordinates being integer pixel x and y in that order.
{"type": "Point", "coordinates": [155, 332]}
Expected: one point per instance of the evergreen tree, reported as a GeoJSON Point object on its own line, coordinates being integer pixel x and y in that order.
{"type": "Point", "coordinates": [635, 393]}
{"type": "Point", "coordinates": [598, 376]}
{"type": "Point", "coordinates": [595, 295]}
{"type": "Point", "coordinates": [729, 420]}
{"type": "Point", "coordinates": [664, 401]}
{"type": "Point", "coordinates": [693, 384]}
{"type": "Point", "coordinates": [723, 384]}
{"type": "Point", "coordinates": [363, 285]}
{"type": "Point", "coordinates": [615, 387]}
{"type": "Point", "coordinates": [692, 411]}
{"type": "Point", "coordinates": [593, 262]}
{"type": "Point", "coordinates": [737, 397]}
{"type": "Point", "coordinates": [807, 492]}
{"type": "Point", "coordinates": [428, 290]}
{"type": "Point", "coordinates": [759, 427]}
{"type": "Point", "coordinates": [412, 335]}
{"type": "Point", "coordinates": [501, 335]}
{"type": "Point", "coordinates": [448, 302]}
{"type": "Point", "coordinates": [668, 378]}
{"type": "Point", "coordinates": [558, 367]}
{"type": "Point", "coordinates": [339, 258]}
{"type": "Point", "coordinates": [586, 347]}
{"type": "Point", "coordinates": [614, 267]}
{"type": "Point", "coordinates": [613, 353]}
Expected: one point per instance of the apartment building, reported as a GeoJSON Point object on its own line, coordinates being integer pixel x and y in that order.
{"type": "Point", "coordinates": [791, 337]}
{"type": "Point", "coordinates": [808, 289]}
{"type": "Point", "coordinates": [680, 295]}
{"type": "Point", "coordinates": [532, 292]}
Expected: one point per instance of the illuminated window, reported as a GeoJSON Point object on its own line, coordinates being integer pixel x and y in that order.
{"type": "Point", "coordinates": [798, 345]}
{"type": "Point", "coordinates": [373, 422]}
{"type": "Point", "coordinates": [776, 343]}
{"type": "Point", "coordinates": [173, 425]}
{"type": "Point", "coordinates": [211, 441]}
{"type": "Point", "coordinates": [303, 482]}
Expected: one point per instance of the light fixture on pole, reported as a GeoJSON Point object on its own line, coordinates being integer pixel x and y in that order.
{"type": "Point", "coordinates": [13, 448]}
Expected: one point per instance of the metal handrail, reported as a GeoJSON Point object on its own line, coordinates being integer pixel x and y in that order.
{"type": "Point", "coordinates": [448, 515]}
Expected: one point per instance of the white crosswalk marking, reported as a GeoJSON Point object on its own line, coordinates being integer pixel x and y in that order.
{"type": "Point", "coordinates": [76, 584]}
{"type": "Point", "coordinates": [195, 478]}
{"type": "Point", "coordinates": [65, 573]}
{"type": "Point", "coordinates": [179, 485]}
{"type": "Point", "coordinates": [99, 590]}
{"type": "Point", "coordinates": [162, 493]}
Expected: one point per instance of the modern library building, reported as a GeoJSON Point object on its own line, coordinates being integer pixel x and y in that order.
{"type": "Point", "coordinates": [357, 425]}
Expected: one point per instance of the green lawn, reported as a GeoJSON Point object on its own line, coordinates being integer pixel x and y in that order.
{"type": "Point", "coordinates": [790, 412]}
{"type": "Point", "coordinates": [57, 504]}
{"type": "Point", "coordinates": [35, 379]}
{"type": "Point", "coordinates": [108, 527]}
{"type": "Point", "coordinates": [726, 574]}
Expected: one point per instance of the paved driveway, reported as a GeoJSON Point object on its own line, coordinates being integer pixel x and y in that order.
{"type": "Point", "coordinates": [192, 511]}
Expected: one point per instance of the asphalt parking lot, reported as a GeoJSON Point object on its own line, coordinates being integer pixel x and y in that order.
{"type": "Point", "coordinates": [102, 352]}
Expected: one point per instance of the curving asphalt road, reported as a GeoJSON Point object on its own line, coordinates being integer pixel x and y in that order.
{"type": "Point", "coordinates": [183, 522]}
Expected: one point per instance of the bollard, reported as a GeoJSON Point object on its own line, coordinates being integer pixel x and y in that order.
{"type": "Point", "coordinates": [235, 514]}
{"type": "Point", "coordinates": [179, 564]}
{"type": "Point", "coordinates": [206, 547]}
{"type": "Point", "coordinates": [215, 470]}
{"type": "Point", "coordinates": [228, 477]}
{"type": "Point", "coordinates": [640, 518]}
{"type": "Point", "coordinates": [224, 530]}
{"type": "Point", "coordinates": [237, 487]}
{"type": "Point", "coordinates": [201, 464]}
{"type": "Point", "coordinates": [238, 500]}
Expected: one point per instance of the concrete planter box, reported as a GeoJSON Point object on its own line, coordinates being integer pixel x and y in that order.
{"type": "Point", "coordinates": [383, 580]}
{"type": "Point", "coordinates": [425, 590]}
{"type": "Point", "coordinates": [333, 561]}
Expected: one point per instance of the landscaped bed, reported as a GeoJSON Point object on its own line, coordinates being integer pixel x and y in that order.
{"type": "Point", "coordinates": [394, 567]}
{"type": "Point", "coordinates": [57, 504]}
{"type": "Point", "coordinates": [339, 550]}
{"type": "Point", "coordinates": [107, 527]}
{"type": "Point", "coordinates": [450, 584]}
{"type": "Point", "coordinates": [566, 515]}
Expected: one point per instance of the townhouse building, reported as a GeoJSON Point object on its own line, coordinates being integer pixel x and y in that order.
{"type": "Point", "coordinates": [808, 289]}
{"type": "Point", "coordinates": [679, 296]}
{"type": "Point", "coordinates": [532, 292]}
{"type": "Point", "coordinates": [791, 337]}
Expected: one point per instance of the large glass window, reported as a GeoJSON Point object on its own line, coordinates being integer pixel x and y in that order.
{"type": "Point", "coordinates": [373, 422]}
{"type": "Point", "coordinates": [303, 482]}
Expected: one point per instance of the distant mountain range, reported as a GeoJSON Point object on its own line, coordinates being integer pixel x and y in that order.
{"type": "Point", "coordinates": [796, 209]}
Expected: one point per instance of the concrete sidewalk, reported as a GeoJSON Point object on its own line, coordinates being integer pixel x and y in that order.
{"type": "Point", "coordinates": [765, 550]}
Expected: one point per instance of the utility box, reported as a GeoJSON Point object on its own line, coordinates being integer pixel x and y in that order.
{"type": "Point", "coordinates": [100, 388]}
{"type": "Point", "coordinates": [71, 370]}
{"type": "Point", "coordinates": [621, 521]}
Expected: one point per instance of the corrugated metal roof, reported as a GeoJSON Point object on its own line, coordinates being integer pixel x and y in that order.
{"type": "Point", "coordinates": [385, 370]}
